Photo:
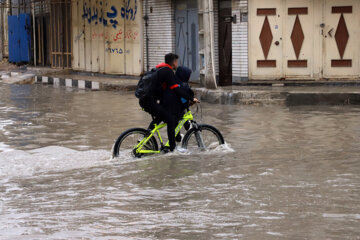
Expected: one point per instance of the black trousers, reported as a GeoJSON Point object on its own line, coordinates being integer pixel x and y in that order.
{"type": "Point", "coordinates": [161, 115]}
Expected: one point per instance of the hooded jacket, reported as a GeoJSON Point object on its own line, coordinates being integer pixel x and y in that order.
{"type": "Point", "coordinates": [183, 76]}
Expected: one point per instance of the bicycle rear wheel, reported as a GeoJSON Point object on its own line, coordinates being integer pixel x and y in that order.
{"type": "Point", "coordinates": [126, 143]}
{"type": "Point", "coordinates": [206, 136]}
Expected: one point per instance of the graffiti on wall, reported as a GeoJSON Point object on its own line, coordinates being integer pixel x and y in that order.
{"type": "Point", "coordinates": [117, 51]}
{"type": "Point", "coordinates": [111, 30]}
{"type": "Point", "coordinates": [117, 36]}
{"type": "Point", "coordinates": [92, 14]}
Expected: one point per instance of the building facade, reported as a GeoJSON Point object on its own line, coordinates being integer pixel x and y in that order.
{"type": "Point", "coordinates": [305, 39]}
{"type": "Point", "coordinates": [175, 26]}
{"type": "Point", "coordinates": [270, 39]}
{"type": "Point", "coordinates": [249, 39]}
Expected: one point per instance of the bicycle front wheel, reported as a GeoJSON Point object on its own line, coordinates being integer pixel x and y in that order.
{"type": "Point", "coordinates": [126, 143]}
{"type": "Point", "coordinates": [206, 136]}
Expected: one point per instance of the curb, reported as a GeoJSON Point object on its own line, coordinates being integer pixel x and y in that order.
{"type": "Point", "coordinates": [298, 99]}
{"type": "Point", "coordinates": [68, 82]}
{"type": "Point", "coordinates": [236, 97]}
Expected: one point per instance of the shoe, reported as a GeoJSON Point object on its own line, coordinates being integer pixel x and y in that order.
{"type": "Point", "coordinates": [165, 150]}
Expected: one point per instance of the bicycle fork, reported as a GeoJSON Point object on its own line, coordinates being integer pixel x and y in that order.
{"type": "Point", "coordinates": [198, 137]}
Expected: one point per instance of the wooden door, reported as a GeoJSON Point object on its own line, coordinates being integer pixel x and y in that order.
{"type": "Point", "coordinates": [225, 43]}
{"type": "Point", "coordinates": [341, 39]}
{"type": "Point", "coordinates": [265, 39]}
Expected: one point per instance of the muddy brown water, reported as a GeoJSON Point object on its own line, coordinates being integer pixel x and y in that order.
{"type": "Point", "coordinates": [285, 173]}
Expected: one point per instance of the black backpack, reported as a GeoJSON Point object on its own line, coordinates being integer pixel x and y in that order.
{"type": "Point", "coordinates": [147, 84]}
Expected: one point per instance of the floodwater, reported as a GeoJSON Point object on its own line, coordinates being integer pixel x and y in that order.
{"type": "Point", "coordinates": [285, 173]}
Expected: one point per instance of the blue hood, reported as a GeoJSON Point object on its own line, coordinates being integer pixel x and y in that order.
{"type": "Point", "coordinates": [183, 73]}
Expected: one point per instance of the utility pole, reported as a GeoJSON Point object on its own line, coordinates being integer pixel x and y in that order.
{"type": "Point", "coordinates": [208, 21]}
{"type": "Point", "coordinates": [1, 31]}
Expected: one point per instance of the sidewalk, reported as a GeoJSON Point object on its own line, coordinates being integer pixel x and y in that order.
{"type": "Point", "coordinates": [281, 95]}
{"type": "Point", "coordinates": [248, 93]}
{"type": "Point", "coordinates": [307, 93]}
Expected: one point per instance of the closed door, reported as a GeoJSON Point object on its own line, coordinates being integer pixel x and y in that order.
{"type": "Point", "coordinates": [298, 38]}
{"type": "Point", "coordinates": [187, 28]}
{"type": "Point", "coordinates": [19, 38]}
{"type": "Point", "coordinates": [319, 38]}
{"type": "Point", "coordinates": [225, 43]}
{"type": "Point", "coordinates": [25, 36]}
{"type": "Point", "coordinates": [14, 41]}
{"type": "Point", "coordinates": [341, 38]}
{"type": "Point", "coordinates": [265, 39]}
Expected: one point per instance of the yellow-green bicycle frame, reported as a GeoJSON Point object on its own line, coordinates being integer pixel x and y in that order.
{"type": "Point", "coordinates": [139, 148]}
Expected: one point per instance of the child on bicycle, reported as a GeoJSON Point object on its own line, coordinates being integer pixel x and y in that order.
{"type": "Point", "coordinates": [183, 76]}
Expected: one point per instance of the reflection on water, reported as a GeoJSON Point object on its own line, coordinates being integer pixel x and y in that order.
{"type": "Point", "coordinates": [293, 174]}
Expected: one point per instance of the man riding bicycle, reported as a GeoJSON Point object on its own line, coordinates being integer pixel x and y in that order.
{"type": "Point", "coordinates": [165, 81]}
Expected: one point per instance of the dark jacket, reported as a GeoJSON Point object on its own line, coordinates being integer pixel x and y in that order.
{"type": "Point", "coordinates": [172, 102]}
{"type": "Point", "coordinates": [183, 75]}
{"type": "Point", "coordinates": [165, 80]}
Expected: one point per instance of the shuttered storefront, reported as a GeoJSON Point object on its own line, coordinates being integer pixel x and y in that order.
{"type": "Point", "coordinates": [240, 41]}
{"type": "Point", "coordinates": [216, 36]}
{"type": "Point", "coordinates": [107, 36]}
{"type": "Point", "coordinates": [160, 30]}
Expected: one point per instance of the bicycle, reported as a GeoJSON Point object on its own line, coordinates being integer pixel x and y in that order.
{"type": "Point", "coordinates": [141, 142]}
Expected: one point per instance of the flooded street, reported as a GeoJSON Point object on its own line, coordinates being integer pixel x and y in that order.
{"type": "Point", "coordinates": [285, 173]}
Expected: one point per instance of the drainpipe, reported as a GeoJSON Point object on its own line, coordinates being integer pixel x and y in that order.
{"type": "Point", "coordinates": [34, 34]}
{"type": "Point", "coordinates": [146, 18]}
{"type": "Point", "coordinates": [212, 41]}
